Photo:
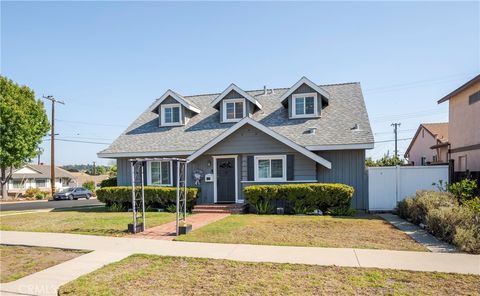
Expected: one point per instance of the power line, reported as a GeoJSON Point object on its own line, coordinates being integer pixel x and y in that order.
{"type": "Point", "coordinates": [91, 123]}
{"type": "Point", "coordinates": [78, 141]}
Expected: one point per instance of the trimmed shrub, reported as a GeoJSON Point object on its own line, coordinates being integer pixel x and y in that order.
{"type": "Point", "coordinates": [308, 197]}
{"type": "Point", "coordinates": [32, 192]}
{"type": "Point", "coordinates": [110, 182]}
{"type": "Point", "coordinates": [157, 197]}
{"type": "Point", "coordinates": [90, 185]}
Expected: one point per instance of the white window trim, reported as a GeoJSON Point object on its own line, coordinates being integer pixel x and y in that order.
{"type": "Point", "coordinates": [303, 95]}
{"type": "Point", "coordinates": [162, 110]}
{"type": "Point", "coordinates": [224, 108]}
{"type": "Point", "coordinates": [149, 174]}
{"type": "Point", "coordinates": [256, 158]}
{"type": "Point", "coordinates": [215, 177]}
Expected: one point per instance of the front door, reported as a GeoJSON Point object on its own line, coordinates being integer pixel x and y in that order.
{"type": "Point", "coordinates": [226, 180]}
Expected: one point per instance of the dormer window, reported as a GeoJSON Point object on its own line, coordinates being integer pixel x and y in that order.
{"type": "Point", "coordinates": [233, 110]}
{"type": "Point", "coordinates": [304, 105]}
{"type": "Point", "coordinates": [170, 114]}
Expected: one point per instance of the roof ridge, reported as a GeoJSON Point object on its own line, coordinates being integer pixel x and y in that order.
{"type": "Point", "coordinates": [275, 88]}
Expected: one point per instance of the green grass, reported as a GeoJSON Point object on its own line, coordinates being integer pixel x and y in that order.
{"type": "Point", "coordinates": [19, 261]}
{"type": "Point", "coordinates": [96, 221]}
{"type": "Point", "coordinates": [312, 231]}
{"type": "Point", "coordinates": [157, 275]}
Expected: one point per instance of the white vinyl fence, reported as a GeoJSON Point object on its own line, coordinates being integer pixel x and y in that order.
{"type": "Point", "coordinates": [389, 185]}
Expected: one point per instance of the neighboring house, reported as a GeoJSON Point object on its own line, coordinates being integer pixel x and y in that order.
{"type": "Point", "coordinates": [82, 177]}
{"type": "Point", "coordinates": [302, 134]}
{"type": "Point", "coordinates": [37, 176]}
{"type": "Point", "coordinates": [464, 126]}
{"type": "Point", "coordinates": [429, 145]}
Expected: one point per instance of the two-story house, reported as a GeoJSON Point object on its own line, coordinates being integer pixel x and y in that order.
{"type": "Point", "coordinates": [464, 126]}
{"type": "Point", "coordinates": [301, 134]}
{"type": "Point", "coordinates": [429, 145]}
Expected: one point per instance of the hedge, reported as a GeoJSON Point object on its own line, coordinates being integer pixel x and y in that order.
{"type": "Point", "coordinates": [110, 182]}
{"type": "Point", "coordinates": [443, 216]}
{"type": "Point", "coordinates": [323, 196]}
{"type": "Point", "coordinates": [156, 197]}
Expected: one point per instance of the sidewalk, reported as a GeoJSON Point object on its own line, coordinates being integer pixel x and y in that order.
{"type": "Point", "coordinates": [110, 249]}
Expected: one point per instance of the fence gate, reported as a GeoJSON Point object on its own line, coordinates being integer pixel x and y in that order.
{"type": "Point", "coordinates": [389, 185]}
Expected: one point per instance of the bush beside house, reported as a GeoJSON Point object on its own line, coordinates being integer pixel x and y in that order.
{"type": "Point", "coordinates": [110, 182]}
{"type": "Point", "coordinates": [155, 197]}
{"type": "Point", "coordinates": [301, 198]}
{"type": "Point", "coordinates": [445, 217]}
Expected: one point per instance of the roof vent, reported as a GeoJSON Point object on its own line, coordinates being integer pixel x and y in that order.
{"type": "Point", "coordinates": [312, 130]}
{"type": "Point", "coordinates": [264, 90]}
{"type": "Point", "coordinates": [355, 127]}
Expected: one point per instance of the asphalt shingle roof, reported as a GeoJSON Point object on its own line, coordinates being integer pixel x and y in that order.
{"type": "Point", "coordinates": [346, 108]}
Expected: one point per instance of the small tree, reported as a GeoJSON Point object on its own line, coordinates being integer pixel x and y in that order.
{"type": "Point", "coordinates": [23, 123]}
{"type": "Point", "coordinates": [384, 161]}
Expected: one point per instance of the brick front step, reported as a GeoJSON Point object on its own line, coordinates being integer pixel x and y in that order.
{"type": "Point", "coordinates": [220, 208]}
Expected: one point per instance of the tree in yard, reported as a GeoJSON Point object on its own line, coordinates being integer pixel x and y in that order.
{"type": "Point", "coordinates": [23, 123]}
{"type": "Point", "coordinates": [384, 161]}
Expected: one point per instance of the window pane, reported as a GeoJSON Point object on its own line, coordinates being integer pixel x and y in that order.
{"type": "Point", "coordinates": [277, 168]}
{"type": "Point", "coordinates": [155, 169]}
{"type": "Point", "coordinates": [41, 183]}
{"type": "Point", "coordinates": [309, 105]}
{"type": "Point", "coordinates": [165, 173]}
{"type": "Point", "coordinates": [238, 110]}
{"type": "Point", "coordinates": [168, 115]}
{"type": "Point", "coordinates": [176, 114]}
{"type": "Point", "coordinates": [230, 110]}
{"type": "Point", "coordinates": [264, 168]}
{"type": "Point", "coordinates": [299, 106]}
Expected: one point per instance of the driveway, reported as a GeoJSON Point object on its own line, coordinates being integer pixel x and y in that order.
{"type": "Point", "coordinates": [39, 205]}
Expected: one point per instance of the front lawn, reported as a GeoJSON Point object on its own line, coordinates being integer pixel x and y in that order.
{"type": "Point", "coordinates": [157, 275]}
{"type": "Point", "coordinates": [369, 232]}
{"type": "Point", "coordinates": [96, 221]}
{"type": "Point", "coordinates": [19, 261]}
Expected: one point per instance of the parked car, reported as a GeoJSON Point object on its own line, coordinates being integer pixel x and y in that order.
{"type": "Point", "coordinates": [73, 193]}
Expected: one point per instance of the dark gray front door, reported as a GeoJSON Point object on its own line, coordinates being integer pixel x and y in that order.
{"type": "Point", "coordinates": [226, 180]}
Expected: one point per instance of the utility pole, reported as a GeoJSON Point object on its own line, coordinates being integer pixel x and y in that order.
{"type": "Point", "coordinates": [395, 130]}
{"type": "Point", "coordinates": [52, 141]}
{"type": "Point", "coordinates": [94, 171]}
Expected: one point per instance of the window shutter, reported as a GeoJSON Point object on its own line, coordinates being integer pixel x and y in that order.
{"type": "Point", "coordinates": [145, 172]}
{"type": "Point", "coordinates": [290, 167]}
{"type": "Point", "coordinates": [174, 177]}
{"type": "Point", "coordinates": [250, 168]}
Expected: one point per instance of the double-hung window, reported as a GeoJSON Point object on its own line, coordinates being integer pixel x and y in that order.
{"type": "Point", "coordinates": [304, 105]}
{"type": "Point", "coordinates": [270, 168]}
{"type": "Point", "coordinates": [233, 110]}
{"type": "Point", "coordinates": [159, 173]}
{"type": "Point", "coordinates": [171, 114]}
{"type": "Point", "coordinates": [41, 183]}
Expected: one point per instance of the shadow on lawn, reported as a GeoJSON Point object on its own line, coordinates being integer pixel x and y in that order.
{"type": "Point", "coordinates": [84, 209]}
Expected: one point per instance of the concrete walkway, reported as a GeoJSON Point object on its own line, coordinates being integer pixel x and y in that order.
{"type": "Point", "coordinates": [110, 249]}
{"type": "Point", "coordinates": [419, 235]}
{"type": "Point", "coordinates": [167, 231]}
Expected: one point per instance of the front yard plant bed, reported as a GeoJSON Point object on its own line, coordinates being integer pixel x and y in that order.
{"type": "Point", "coordinates": [19, 261]}
{"type": "Point", "coordinates": [368, 231]}
{"type": "Point", "coordinates": [95, 221]}
{"type": "Point", "coordinates": [157, 275]}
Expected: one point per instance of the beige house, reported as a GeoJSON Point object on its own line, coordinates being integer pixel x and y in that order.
{"type": "Point", "coordinates": [37, 176]}
{"type": "Point", "coordinates": [82, 177]}
{"type": "Point", "coordinates": [464, 126]}
{"type": "Point", "coordinates": [429, 145]}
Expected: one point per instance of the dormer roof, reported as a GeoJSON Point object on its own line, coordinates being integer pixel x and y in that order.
{"type": "Point", "coordinates": [304, 80]}
{"type": "Point", "coordinates": [240, 91]}
{"type": "Point", "coordinates": [170, 93]}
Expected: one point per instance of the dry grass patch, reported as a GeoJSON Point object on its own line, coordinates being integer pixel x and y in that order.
{"type": "Point", "coordinates": [19, 261]}
{"type": "Point", "coordinates": [96, 221]}
{"type": "Point", "coordinates": [157, 275]}
{"type": "Point", "coordinates": [370, 232]}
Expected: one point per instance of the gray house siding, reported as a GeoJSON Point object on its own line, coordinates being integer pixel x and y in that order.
{"type": "Point", "coordinates": [348, 167]}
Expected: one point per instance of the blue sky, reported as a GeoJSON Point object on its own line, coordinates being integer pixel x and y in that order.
{"type": "Point", "coordinates": [110, 60]}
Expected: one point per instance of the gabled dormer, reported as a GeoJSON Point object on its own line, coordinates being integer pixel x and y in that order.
{"type": "Point", "coordinates": [305, 99]}
{"type": "Point", "coordinates": [235, 104]}
{"type": "Point", "coordinates": [173, 109]}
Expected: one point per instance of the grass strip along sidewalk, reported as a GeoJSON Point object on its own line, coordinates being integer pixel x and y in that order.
{"type": "Point", "coordinates": [157, 275]}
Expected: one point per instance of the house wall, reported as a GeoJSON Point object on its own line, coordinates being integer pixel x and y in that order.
{"type": "Point", "coordinates": [31, 183]}
{"type": "Point", "coordinates": [421, 148]}
{"type": "Point", "coordinates": [348, 167]}
{"type": "Point", "coordinates": [464, 131]}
